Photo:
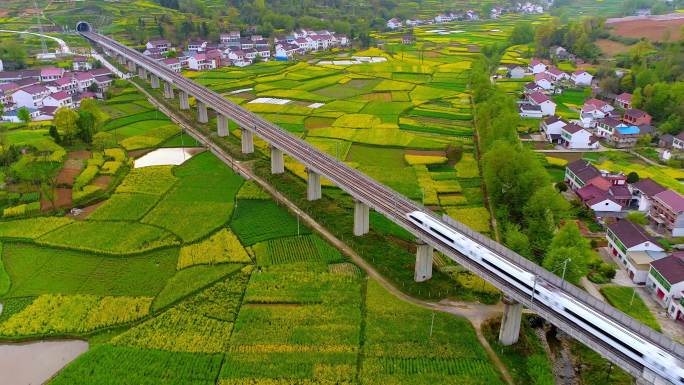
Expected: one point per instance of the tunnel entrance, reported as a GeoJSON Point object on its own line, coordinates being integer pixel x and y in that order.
{"type": "Point", "coordinates": [83, 26]}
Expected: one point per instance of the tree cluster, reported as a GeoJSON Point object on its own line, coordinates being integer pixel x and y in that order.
{"type": "Point", "coordinates": [69, 125]}
{"type": "Point", "coordinates": [527, 207]}
{"type": "Point", "coordinates": [576, 36]}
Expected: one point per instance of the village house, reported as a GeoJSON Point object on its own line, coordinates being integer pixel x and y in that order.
{"type": "Point", "coordinates": [636, 117]}
{"type": "Point", "coordinates": [678, 141]}
{"type": "Point", "coordinates": [625, 238]}
{"type": "Point", "coordinates": [532, 87]}
{"type": "Point", "coordinates": [153, 53]}
{"type": "Point", "coordinates": [15, 76]}
{"type": "Point", "coordinates": [516, 71]}
{"type": "Point", "coordinates": [199, 62]}
{"type": "Point", "coordinates": [286, 50]}
{"type": "Point", "coordinates": [537, 66]}
{"type": "Point", "coordinates": [67, 84]}
{"type": "Point", "coordinates": [574, 137]}
{"type": "Point", "coordinates": [624, 136]}
{"type": "Point", "coordinates": [394, 23]}
{"type": "Point", "coordinates": [548, 107]}
{"type": "Point", "coordinates": [551, 128]}
{"type": "Point", "coordinates": [162, 45]}
{"type": "Point", "coordinates": [665, 280]}
{"type": "Point", "coordinates": [556, 74]}
{"type": "Point", "coordinates": [83, 80]}
{"type": "Point", "coordinates": [643, 192]}
{"type": "Point", "coordinates": [605, 127]}
{"type": "Point", "coordinates": [581, 173]}
{"type": "Point", "coordinates": [598, 108]}
{"type": "Point", "coordinates": [103, 82]}
{"type": "Point", "coordinates": [529, 110]}
{"type": "Point", "coordinates": [13, 115]}
{"type": "Point", "coordinates": [544, 80]}
{"type": "Point", "coordinates": [581, 78]}
{"type": "Point", "coordinates": [173, 64]}
{"type": "Point", "coordinates": [58, 99]}
{"type": "Point", "coordinates": [197, 45]}
{"type": "Point", "coordinates": [667, 141]}
{"type": "Point", "coordinates": [52, 73]}
{"type": "Point", "coordinates": [667, 213]}
{"type": "Point", "coordinates": [80, 63]}
{"type": "Point", "coordinates": [624, 101]}
{"type": "Point", "coordinates": [603, 198]}
{"type": "Point", "coordinates": [31, 96]}
{"type": "Point", "coordinates": [230, 39]}
{"type": "Point", "coordinates": [592, 110]}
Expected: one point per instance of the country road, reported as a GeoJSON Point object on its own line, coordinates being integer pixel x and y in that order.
{"type": "Point", "coordinates": [63, 46]}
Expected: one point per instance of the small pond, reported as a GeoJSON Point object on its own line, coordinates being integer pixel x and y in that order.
{"type": "Point", "coordinates": [167, 156]}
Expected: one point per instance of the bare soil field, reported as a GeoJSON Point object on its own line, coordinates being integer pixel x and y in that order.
{"type": "Point", "coordinates": [652, 28]}
{"type": "Point", "coordinates": [611, 48]}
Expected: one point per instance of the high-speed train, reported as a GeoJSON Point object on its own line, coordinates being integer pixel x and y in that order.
{"type": "Point", "coordinates": [651, 356]}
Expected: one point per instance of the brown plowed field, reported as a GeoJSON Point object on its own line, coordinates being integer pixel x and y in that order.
{"type": "Point", "coordinates": [653, 30]}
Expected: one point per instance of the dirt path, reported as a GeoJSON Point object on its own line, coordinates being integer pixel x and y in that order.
{"type": "Point", "coordinates": [476, 313]}
{"type": "Point", "coordinates": [18, 362]}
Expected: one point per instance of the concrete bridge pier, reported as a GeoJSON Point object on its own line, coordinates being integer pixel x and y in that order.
{"type": "Point", "coordinates": [361, 219]}
{"type": "Point", "coordinates": [202, 114]}
{"type": "Point", "coordinates": [142, 73]}
{"type": "Point", "coordinates": [247, 141]}
{"type": "Point", "coordinates": [154, 81]}
{"type": "Point", "coordinates": [313, 188]}
{"type": "Point", "coordinates": [510, 322]}
{"type": "Point", "coordinates": [131, 67]}
{"type": "Point", "coordinates": [222, 126]}
{"type": "Point", "coordinates": [184, 102]}
{"type": "Point", "coordinates": [277, 161]}
{"type": "Point", "coordinates": [423, 271]}
{"type": "Point", "coordinates": [168, 89]}
{"type": "Point", "coordinates": [121, 59]}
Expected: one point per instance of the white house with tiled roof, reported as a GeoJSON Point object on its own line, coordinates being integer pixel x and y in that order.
{"type": "Point", "coordinates": [581, 78]}
{"type": "Point", "coordinates": [625, 237]}
{"type": "Point", "coordinates": [548, 107]}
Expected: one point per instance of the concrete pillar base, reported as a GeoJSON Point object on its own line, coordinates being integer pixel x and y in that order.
{"type": "Point", "coordinates": [222, 126]}
{"type": "Point", "coordinates": [361, 213]}
{"type": "Point", "coordinates": [184, 102]}
{"type": "Point", "coordinates": [202, 114]}
{"type": "Point", "coordinates": [131, 67]}
{"type": "Point", "coordinates": [313, 190]}
{"type": "Point", "coordinates": [154, 81]}
{"type": "Point", "coordinates": [168, 90]}
{"type": "Point", "coordinates": [142, 73]}
{"type": "Point", "coordinates": [277, 161]}
{"type": "Point", "coordinates": [423, 271]}
{"type": "Point", "coordinates": [510, 322]}
{"type": "Point", "coordinates": [247, 141]}
{"type": "Point", "coordinates": [121, 59]}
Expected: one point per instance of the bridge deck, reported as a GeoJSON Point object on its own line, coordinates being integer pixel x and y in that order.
{"type": "Point", "coordinates": [395, 207]}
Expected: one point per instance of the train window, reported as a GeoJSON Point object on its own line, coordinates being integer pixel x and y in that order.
{"type": "Point", "coordinates": [504, 272]}
{"type": "Point", "coordinates": [610, 336]}
{"type": "Point", "coordinates": [441, 235]}
{"type": "Point", "coordinates": [416, 219]}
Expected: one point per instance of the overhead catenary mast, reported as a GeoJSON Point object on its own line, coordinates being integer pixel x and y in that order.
{"type": "Point", "coordinates": [40, 29]}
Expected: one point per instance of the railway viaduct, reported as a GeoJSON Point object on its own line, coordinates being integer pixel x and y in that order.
{"type": "Point", "coordinates": [369, 194]}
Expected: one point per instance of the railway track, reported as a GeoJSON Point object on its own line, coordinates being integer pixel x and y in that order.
{"type": "Point", "coordinates": [384, 200]}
